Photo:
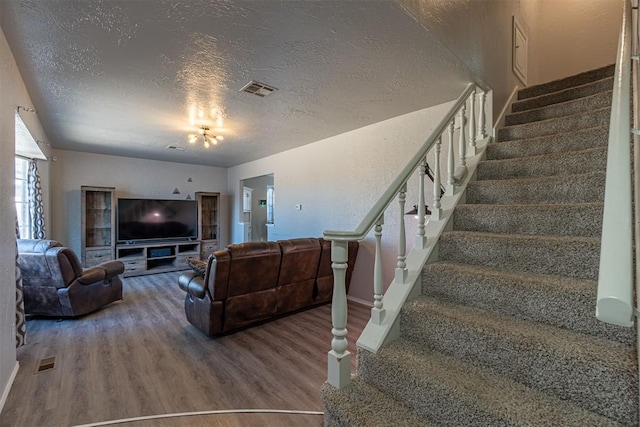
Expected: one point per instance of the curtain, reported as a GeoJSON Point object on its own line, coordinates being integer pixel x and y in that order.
{"type": "Point", "coordinates": [36, 208]}
{"type": "Point", "coordinates": [21, 327]}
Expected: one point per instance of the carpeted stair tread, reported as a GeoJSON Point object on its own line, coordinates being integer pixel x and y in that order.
{"type": "Point", "coordinates": [567, 163]}
{"type": "Point", "coordinates": [359, 404]}
{"type": "Point", "coordinates": [505, 331]}
{"type": "Point", "coordinates": [578, 188]}
{"type": "Point", "coordinates": [453, 393]}
{"type": "Point", "coordinates": [595, 373]}
{"type": "Point", "coordinates": [557, 143]}
{"type": "Point", "coordinates": [548, 299]}
{"type": "Point", "coordinates": [567, 82]}
{"type": "Point", "coordinates": [574, 106]}
{"type": "Point", "coordinates": [579, 219]}
{"type": "Point", "coordinates": [576, 257]}
{"type": "Point", "coordinates": [562, 124]}
{"type": "Point", "coordinates": [564, 95]}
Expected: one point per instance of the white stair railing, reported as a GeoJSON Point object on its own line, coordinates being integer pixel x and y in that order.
{"type": "Point", "coordinates": [615, 278]}
{"type": "Point", "coordinates": [339, 358]}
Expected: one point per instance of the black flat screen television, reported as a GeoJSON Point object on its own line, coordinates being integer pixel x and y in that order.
{"type": "Point", "coordinates": [149, 219]}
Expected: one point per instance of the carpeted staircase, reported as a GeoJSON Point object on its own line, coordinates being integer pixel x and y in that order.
{"type": "Point", "coordinates": [505, 332]}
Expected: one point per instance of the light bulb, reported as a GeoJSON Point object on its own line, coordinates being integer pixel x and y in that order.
{"type": "Point", "coordinates": [206, 143]}
{"type": "Point", "coordinates": [193, 138]}
{"type": "Point", "coordinates": [219, 137]}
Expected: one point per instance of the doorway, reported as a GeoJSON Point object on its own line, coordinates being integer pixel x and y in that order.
{"type": "Point", "coordinates": [257, 210]}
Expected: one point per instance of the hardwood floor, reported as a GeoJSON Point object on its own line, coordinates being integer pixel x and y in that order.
{"type": "Point", "coordinates": [140, 357]}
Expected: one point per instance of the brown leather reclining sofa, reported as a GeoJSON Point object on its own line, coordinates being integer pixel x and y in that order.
{"type": "Point", "coordinates": [253, 282]}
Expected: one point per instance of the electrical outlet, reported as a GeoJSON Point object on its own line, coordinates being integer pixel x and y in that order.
{"type": "Point", "coordinates": [298, 207]}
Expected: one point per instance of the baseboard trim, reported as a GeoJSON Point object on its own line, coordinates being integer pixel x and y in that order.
{"type": "Point", "coordinates": [360, 301]}
{"type": "Point", "coordinates": [505, 110]}
{"type": "Point", "coordinates": [7, 388]}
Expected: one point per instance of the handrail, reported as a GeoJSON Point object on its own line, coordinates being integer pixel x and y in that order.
{"type": "Point", "coordinates": [386, 306]}
{"type": "Point", "coordinates": [615, 278]}
{"type": "Point", "coordinates": [391, 192]}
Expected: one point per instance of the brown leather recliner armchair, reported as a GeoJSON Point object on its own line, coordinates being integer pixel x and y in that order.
{"type": "Point", "coordinates": [56, 285]}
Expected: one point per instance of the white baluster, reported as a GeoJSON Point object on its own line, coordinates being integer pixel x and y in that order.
{"type": "Point", "coordinates": [463, 139]}
{"type": "Point", "coordinates": [339, 359]}
{"type": "Point", "coordinates": [378, 311]}
{"type": "Point", "coordinates": [482, 131]}
{"type": "Point", "coordinates": [421, 240]}
{"type": "Point", "coordinates": [436, 212]}
{"type": "Point", "coordinates": [451, 182]}
{"type": "Point", "coordinates": [401, 267]}
{"type": "Point", "coordinates": [472, 124]}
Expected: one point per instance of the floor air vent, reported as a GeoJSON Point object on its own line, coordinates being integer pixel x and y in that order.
{"type": "Point", "coordinates": [46, 364]}
{"type": "Point", "coordinates": [258, 89]}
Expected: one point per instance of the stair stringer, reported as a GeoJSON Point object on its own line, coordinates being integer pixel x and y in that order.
{"type": "Point", "coordinates": [374, 336]}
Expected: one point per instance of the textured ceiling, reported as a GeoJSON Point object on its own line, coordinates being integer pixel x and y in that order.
{"type": "Point", "coordinates": [123, 77]}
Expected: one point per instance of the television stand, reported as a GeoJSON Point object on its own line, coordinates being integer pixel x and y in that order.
{"type": "Point", "coordinates": [157, 256]}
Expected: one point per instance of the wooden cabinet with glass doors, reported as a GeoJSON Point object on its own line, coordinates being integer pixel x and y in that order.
{"type": "Point", "coordinates": [208, 217]}
{"type": "Point", "coordinates": [98, 225]}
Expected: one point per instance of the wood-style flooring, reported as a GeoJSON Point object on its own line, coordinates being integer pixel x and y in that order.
{"type": "Point", "coordinates": [140, 357]}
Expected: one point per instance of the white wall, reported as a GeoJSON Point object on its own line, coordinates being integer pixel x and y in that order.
{"type": "Point", "coordinates": [577, 35]}
{"type": "Point", "coordinates": [478, 32]}
{"type": "Point", "coordinates": [337, 180]}
{"type": "Point", "coordinates": [131, 177]}
{"type": "Point", "coordinates": [12, 93]}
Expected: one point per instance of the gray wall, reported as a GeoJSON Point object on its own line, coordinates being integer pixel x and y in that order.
{"type": "Point", "coordinates": [478, 32]}
{"type": "Point", "coordinates": [336, 181]}
{"type": "Point", "coordinates": [9, 75]}
{"type": "Point", "coordinates": [577, 35]}
{"type": "Point", "coordinates": [12, 94]}
{"type": "Point", "coordinates": [131, 177]}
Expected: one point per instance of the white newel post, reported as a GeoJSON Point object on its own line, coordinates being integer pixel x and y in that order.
{"type": "Point", "coordinates": [377, 312]}
{"type": "Point", "coordinates": [436, 212]}
{"type": "Point", "coordinates": [451, 183]}
{"type": "Point", "coordinates": [401, 268]}
{"type": "Point", "coordinates": [421, 239]}
{"type": "Point", "coordinates": [339, 359]}
{"type": "Point", "coordinates": [463, 139]}
{"type": "Point", "coordinates": [482, 131]}
{"type": "Point", "coordinates": [472, 124]}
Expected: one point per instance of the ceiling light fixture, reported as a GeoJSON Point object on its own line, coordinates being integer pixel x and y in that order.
{"type": "Point", "coordinates": [207, 139]}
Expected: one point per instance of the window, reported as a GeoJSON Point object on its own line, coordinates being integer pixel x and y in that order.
{"type": "Point", "coordinates": [22, 197]}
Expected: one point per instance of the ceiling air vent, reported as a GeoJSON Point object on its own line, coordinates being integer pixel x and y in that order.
{"type": "Point", "coordinates": [258, 89]}
{"type": "Point", "coordinates": [173, 147]}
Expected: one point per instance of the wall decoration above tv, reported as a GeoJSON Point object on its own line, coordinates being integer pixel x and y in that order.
{"type": "Point", "coordinates": [154, 219]}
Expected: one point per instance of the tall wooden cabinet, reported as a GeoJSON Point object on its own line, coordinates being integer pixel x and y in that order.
{"type": "Point", "coordinates": [98, 210]}
{"type": "Point", "coordinates": [208, 217]}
